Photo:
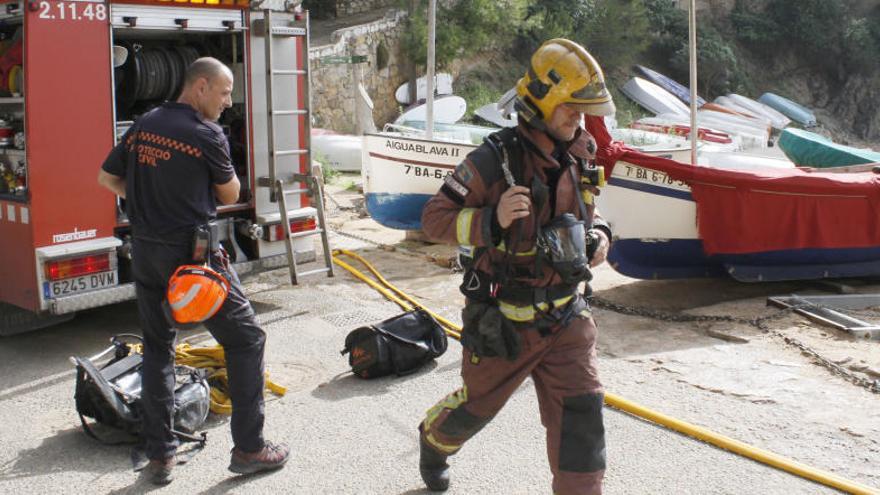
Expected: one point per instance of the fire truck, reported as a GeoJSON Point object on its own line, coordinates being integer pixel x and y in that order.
{"type": "Point", "coordinates": [75, 75]}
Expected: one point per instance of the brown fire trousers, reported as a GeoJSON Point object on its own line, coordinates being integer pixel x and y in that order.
{"type": "Point", "coordinates": [563, 368]}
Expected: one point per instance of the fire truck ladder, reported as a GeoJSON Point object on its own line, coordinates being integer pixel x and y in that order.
{"type": "Point", "coordinates": [296, 183]}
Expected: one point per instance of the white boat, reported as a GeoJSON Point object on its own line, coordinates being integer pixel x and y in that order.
{"type": "Point", "coordinates": [765, 210]}
{"type": "Point", "coordinates": [654, 98]}
{"type": "Point", "coordinates": [741, 161]}
{"type": "Point", "coordinates": [442, 86]}
{"type": "Point", "coordinates": [719, 140]}
{"type": "Point", "coordinates": [654, 143]}
{"type": "Point", "coordinates": [727, 103]}
{"type": "Point", "coordinates": [467, 133]}
{"type": "Point", "coordinates": [402, 172]}
{"type": "Point", "coordinates": [490, 113]}
{"type": "Point", "coordinates": [447, 110]}
{"type": "Point", "coordinates": [342, 152]}
{"type": "Point", "coordinates": [777, 119]}
{"type": "Point", "coordinates": [751, 136]}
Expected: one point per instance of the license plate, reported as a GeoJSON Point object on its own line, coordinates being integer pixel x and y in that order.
{"type": "Point", "coordinates": [76, 285]}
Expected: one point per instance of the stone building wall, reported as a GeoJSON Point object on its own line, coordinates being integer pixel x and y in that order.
{"type": "Point", "coordinates": [333, 86]}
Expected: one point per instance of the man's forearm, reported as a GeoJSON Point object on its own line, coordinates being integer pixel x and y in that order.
{"type": "Point", "coordinates": [112, 182]}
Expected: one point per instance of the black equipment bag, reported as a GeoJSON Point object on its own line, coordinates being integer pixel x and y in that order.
{"type": "Point", "coordinates": [111, 395]}
{"type": "Point", "coordinates": [399, 345]}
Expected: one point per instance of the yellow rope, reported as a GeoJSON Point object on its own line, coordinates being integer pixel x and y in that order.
{"type": "Point", "coordinates": [390, 291]}
{"type": "Point", "coordinates": [212, 359]}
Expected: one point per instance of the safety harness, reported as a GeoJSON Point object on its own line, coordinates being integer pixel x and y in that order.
{"type": "Point", "coordinates": [524, 305]}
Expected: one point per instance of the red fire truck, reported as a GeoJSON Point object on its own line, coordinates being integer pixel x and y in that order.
{"type": "Point", "coordinates": [74, 75]}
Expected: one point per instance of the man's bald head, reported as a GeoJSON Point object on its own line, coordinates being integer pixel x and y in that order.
{"type": "Point", "coordinates": [208, 68]}
{"type": "Point", "coordinates": [207, 87]}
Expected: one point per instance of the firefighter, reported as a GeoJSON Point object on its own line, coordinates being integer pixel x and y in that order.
{"type": "Point", "coordinates": [520, 209]}
{"type": "Point", "coordinates": [172, 167]}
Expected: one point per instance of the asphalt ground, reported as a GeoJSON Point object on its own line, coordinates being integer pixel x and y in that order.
{"type": "Point", "coordinates": [354, 436]}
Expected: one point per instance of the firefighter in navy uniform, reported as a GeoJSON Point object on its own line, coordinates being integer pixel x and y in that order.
{"type": "Point", "coordinates": [172, 167]}
{"type": "Point", "coordinates": [520, 209]}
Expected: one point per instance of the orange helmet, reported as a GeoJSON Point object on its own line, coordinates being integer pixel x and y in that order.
{"type": "Point", "coordinates": [194, 294]}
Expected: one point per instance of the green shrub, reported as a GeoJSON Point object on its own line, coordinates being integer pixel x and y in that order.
{"type": "Point", "coordinates": [477, 93]}
{"type": "Point", "coordinates": [463, 28]}
{"type": "Point", "coordinates": [613, 32]}
{"type": "Point", "coordinates": [754, 27]}
{"type": "Point", "coordinates": [862, 46]}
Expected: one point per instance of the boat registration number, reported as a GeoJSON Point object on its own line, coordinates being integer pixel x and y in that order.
{"type": "Point", "coordinates": [427, 172]}
{"type": "Point", "coordinates": [652, 176]}
{"type": "Point", "coordinates": [76, 285]}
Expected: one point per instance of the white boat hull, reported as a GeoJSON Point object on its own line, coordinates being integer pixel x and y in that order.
{"type": "Point", "coordinates": [402, 173]}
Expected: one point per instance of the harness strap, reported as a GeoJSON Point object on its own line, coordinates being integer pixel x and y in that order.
{"type": "Point", "coordinates": [529, 295]}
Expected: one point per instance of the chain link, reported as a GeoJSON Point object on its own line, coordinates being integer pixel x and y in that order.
{"type": "Point", "coordinates": [760, 323]}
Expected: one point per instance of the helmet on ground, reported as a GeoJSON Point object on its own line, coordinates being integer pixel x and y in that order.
{"type": "Point", "coordinates": [562, 71]}
{"type": "Point", "coordinates": [194, 294]}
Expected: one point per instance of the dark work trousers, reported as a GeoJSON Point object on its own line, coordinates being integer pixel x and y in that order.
{"type": "Point", "coordinates": [570, 397]}
{"type": "Point", "coordinates": [234, 326]}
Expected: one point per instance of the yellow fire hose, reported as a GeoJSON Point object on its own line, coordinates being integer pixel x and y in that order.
{"type": "Point", "coordinates": [214, 360]}
{"type": "Point", "coordinates": [766, 457]}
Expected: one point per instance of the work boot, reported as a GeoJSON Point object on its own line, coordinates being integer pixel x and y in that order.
{"type": "Point", "coordinates": [433, 468]}
{"type": "Point", "coordinates": [159, 470]}
{"type": "Point", "coordinates": [272, 456]}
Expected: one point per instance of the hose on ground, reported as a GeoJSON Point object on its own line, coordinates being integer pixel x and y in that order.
{"type": "Point", "coordinates": [763, 456]}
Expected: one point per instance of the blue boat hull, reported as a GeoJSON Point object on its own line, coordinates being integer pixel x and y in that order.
{"type": "Point", "coordinates": [684, 258]}
{"type": "Point", "coordinates": [397, 211]}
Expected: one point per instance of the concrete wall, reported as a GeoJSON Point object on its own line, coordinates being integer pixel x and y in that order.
{"type": "Point", "coordinates": [333, 86]}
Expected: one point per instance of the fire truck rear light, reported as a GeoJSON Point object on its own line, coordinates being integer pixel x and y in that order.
{"type": "Point", "coordinates": [276, 232]}
{"type": "Point", "coordinates": [74, 267]}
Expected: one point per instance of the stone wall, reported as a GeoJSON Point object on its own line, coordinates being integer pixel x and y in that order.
{"type": "Point", "coordinates": [348, 7]}
{"type": "Point", "coordinates": [333, 86]}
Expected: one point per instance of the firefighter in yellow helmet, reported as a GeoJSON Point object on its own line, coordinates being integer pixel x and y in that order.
{"type": "Point", "coordinates": [520, 209]}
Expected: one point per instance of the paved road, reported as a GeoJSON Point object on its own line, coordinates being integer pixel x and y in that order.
{"type": "Point", "coordinates": [351, 436]}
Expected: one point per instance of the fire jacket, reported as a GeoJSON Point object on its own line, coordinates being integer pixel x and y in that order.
{"type": "Point", "coordinates": [463, 211]}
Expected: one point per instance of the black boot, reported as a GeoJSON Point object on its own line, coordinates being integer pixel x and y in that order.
{"type": "Point", "coordinates": [433, 467]}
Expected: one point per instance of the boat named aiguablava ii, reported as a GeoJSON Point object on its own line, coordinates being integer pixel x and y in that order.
{"type": "Point", "coordinates": [401, 173]}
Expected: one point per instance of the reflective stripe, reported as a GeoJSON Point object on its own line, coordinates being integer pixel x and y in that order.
{"type": "Point", "coordinates": [463, 225]}
{"type": "Point", "coordinates": [527, 313]}
{"type": "Point", "coordinates": [451, 401]}
{"type": "Point", "coordinates": [215, 307]}
{"type": "Point", "coordinates": [190, 295]}
{"type": "Point", "coordinates": [530, 252]}
{"type": "Point", "coordinates": [442, 447]}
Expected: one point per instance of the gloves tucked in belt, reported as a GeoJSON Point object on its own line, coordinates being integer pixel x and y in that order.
{"type": "Point", "coordinates": [487, 333]}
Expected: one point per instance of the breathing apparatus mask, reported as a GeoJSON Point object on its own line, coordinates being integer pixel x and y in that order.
{"type": "Point", "coordinates": [563, 242]}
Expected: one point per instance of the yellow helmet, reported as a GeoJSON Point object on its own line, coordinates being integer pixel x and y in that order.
{"type": "Point", "coordinates": [562, 71]}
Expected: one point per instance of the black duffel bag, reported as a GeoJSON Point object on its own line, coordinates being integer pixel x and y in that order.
{"type": "Point", "coordinates": [111, 395]}
{"type": "Point", "coordinates": [399, 345]}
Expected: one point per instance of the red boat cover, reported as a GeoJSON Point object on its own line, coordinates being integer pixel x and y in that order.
{"type": "Point", "coordinates": [766, 209]}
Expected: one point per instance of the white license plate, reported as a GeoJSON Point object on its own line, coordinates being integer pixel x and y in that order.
{"type": "Point", "coordinates": [76, 285]}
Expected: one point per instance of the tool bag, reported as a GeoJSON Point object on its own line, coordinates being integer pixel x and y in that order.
{"type": "Point", "coordinates": [111, 395]}
{"type": "Point", "coordinates": [399, 345]}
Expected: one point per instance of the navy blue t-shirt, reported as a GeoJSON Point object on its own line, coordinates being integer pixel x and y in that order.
{"type": "Point", "coordinates": [171, 158]}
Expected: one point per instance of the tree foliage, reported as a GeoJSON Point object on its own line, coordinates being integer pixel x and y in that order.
{"type": "Point", "coordinates": [717, 64]}
{"type": "Point", "coordinates": [827, 33]}
{"type": "Point", "coordinates": [463, 27]}
{"type": "Point", "coordinates": [613, 32]}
